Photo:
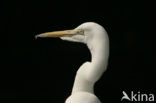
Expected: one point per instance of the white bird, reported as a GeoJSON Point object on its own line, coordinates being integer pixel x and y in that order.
{"type": "Point", "coordinates": [96, 38]}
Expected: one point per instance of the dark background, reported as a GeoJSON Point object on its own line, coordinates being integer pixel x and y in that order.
{"type": "Point", "coordinates": [43, 70]}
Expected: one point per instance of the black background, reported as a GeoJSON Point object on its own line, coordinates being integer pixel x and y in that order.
{"type": "Point", "coordinates": [43, 70]}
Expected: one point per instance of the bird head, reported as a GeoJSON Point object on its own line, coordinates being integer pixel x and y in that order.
{"type": "Point", "coordinates": [83, 33]}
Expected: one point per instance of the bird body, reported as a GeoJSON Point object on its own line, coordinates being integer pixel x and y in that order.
{"type": "Point", "coordinates": [96, 39]}
{"type": "Point", "coordinates": [82, 97]}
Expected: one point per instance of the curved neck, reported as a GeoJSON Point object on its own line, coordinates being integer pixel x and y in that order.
{"type": "Point", "coordinates": [89, 73]}
{"type": "Point", "coordinates": [99, 49]}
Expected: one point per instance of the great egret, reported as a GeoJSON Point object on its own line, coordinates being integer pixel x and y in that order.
{"type": "Point", "coordinates": [96, 38]}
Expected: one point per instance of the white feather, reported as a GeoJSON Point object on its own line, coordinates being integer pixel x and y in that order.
{"type": "Point", "coordinates": [96, 38]}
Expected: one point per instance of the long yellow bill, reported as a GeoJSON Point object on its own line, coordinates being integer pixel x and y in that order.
{"type": "Point", "coordinates": [59, 33]}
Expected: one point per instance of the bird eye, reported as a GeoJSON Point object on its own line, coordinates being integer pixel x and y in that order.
{"type": "Point", "coordinates": [80, 31]}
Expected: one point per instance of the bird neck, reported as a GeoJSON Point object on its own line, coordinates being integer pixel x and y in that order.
{"type": "Point", "coordinates": [98, 55]}
{"type": "Point", "coordinates": [90, 72]}
{"type": "Point", "coordinates": [99, 49]}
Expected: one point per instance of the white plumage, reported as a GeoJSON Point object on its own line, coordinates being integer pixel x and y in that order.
{"type": "Point", "coordinates": [96, 38]}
